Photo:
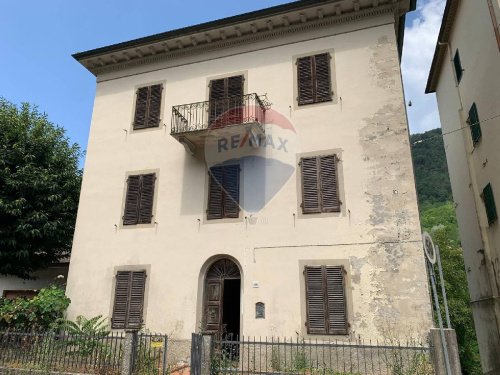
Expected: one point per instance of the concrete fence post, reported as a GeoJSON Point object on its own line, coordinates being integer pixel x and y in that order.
{"type": "Point", "coordinates": [129, 349]}
{"type": "Point", "coordinates": [438, 357]}
{"type": "Point", "coordinates": [206, 354]}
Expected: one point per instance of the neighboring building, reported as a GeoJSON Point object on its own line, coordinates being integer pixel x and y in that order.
{"type": "Point", "coordinates": [465, 75]}
{"type": "Point", "coordinates": [208, 205]}
{"type": "Point", "coordinates": [12, 286]}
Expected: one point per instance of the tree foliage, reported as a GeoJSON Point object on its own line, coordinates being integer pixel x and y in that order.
{"type": "Point", "coordinates": [39, 190]}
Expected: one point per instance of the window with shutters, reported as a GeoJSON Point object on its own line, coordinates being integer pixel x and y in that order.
{"type": "Point", "coordinates": [314, 83]}
{"type": "Point", "coordinates": [226, 101]}
{"type": "Point", "coordinates": [326, 300]}
{"type": "Point", "coordinates": [489, 204]}
{"type": "Point", "coordinates": [320, 190]}
{"type": "Point", "coordinates": [139, 199]}
{"type": "Point", "coordinates": [458, 66]}
{"type": "Point", "coordinates": [224, 192]}
{"type": "Point", "coordinates": [128, 305]}
{"type": "Point", "coordinates": [148, 107]}
{"type": "Point", "coordinates": [474, 123]}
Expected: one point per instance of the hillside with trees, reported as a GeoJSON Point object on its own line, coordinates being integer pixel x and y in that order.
{"type": "Point", "coordinates": [437, 216]}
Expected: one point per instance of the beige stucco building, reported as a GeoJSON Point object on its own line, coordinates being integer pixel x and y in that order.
{"type": "Point", "coordinates": [465, 76]}
{"type": "Point", "coordinates": [253, 176]}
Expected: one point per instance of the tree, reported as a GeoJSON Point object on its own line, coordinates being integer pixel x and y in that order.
{"type": "Point", "coordinates": [39, 190]}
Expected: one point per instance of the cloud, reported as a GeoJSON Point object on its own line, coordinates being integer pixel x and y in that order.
{"type": "Point", "coordinates": [420, 41]}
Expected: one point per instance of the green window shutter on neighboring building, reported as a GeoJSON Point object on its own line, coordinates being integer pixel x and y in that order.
{"type": "Point", "coordinates": [475, 127]}
{"type": "Point", "coordinates": [489, 204]}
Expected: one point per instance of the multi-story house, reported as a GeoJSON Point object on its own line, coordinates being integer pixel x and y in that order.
{"type": "Point", "coordinates": [253, 176]}
{"type": "Point", "coordinates": [465, 75]}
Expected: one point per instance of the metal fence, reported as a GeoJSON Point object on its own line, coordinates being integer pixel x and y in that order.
{"type": "Point", "coordinates": [77, 353]}
{"type": "Point", "coordinates": [298, 356]}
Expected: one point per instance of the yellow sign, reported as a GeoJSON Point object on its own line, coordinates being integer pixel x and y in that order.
{"type": "Point", "coordinates": [157, 344]}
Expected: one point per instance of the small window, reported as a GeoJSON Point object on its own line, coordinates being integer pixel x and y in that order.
{"type": "Point", "coordinates": [224, 192]}
{"type": "Point", "coordinates": [325, 300]}
{"type": "Point", "coordinates": [139, 199]}
{"type": "Point", "coordinates": [474, 123]}
{"type": "Point", "coordinates": [314, 79]}
{"type": "Point", "coordinates": [129, 300]}
{"type": "Point", "coordinates": [489, 204]}
{"type": "Point", "coordinates": [148, 107]}
{"type": "Point", "coordinates": [260, 310]}
{"type": "Point", "coordinates": [320, 191]}
{"type": "Point", "coordinates": [458, 66]}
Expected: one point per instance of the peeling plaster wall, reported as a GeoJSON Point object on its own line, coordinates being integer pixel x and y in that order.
{"type": "Point", "coordinates": [376, 236]}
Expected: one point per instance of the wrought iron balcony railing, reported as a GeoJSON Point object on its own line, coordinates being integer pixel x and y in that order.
{"type": "Point", "coordinates": [216, 114]}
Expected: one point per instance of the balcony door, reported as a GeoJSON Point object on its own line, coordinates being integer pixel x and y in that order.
{"type": "Point", "coordinates": [226, 101]}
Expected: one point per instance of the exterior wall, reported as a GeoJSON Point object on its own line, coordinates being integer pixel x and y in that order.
{"type": "Point", "coordinates": [42, 279]}
{"type": "Point", "coordinates": [473, 167]}
{"type": "Point", "coordinates": [377, 234]}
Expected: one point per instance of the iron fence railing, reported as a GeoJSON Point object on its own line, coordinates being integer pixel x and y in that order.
{"type": "Point", "coordinates": [298, 356]}
{"type": "Point", "coordinates": [78, 353]}
{"type": "Point", "coordinates": [219, 113]}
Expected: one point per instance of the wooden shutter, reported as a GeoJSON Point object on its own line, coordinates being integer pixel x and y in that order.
{"type": "Point", "coordinates": [213, 306]}
{"type": "Point", "coordinates": [305, 80]}
{"type": "Point", "coordinates": [141, 108]}
{"type": "Point", "coordinates": [146, 198]}
{"type": "Point", "coordinates": [310, 185]}
{"type": "Point", "coordinates": [337, 317]}
{"type": "Point", "coordinates": [315, 300]}
{"type": "Point", "coordinates": [216, 100]}
{"type": "Point", "coordinates": [475, 126]}
{"type": "Point", "coordinates": [132, 200]}
{"type": "Point", "coordinates": [120, 307]}
{"type": "Point", "coordinates": [325, 300]}
{"type": "Point", "coordinates": [323, 89]}
{"type": "Point", "coordinates": [154, 108]}
{"type": "Point", "coordinates": [234, 89]}
{"type": "Point", "coordinates": [489, 204]}
{"type": "Point", "coordinates": [136, 299]}
{"type": "Point", "coordinates": [231, 191]}
{"type": "Point", "coordinates": [458, 66]}
{"type": "Point", "coordinates": [329, 184]}
{"type": "Point", "coordinates": [215, 197]}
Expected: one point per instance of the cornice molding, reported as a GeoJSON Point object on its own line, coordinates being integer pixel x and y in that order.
{"type": "Point", "coordinates": [227, 42]}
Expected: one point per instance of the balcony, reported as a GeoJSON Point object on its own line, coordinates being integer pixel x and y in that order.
{"type": "Point", "coordinates": [194, 123]}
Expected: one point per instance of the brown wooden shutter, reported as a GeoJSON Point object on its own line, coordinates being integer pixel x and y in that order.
{"type": "Point", "coordinates": [146, 198]}
{"type": "Point", "coordinates": [323, 89]}
{"type": "Point", "coordinates": [217, 106]}
{"type": "Point", "coordinates": [231, 191]}
{"type": "Point", "coordinates": [315, 300]}
{"type": "Point", "coordinates": [234, 90]}
{"type": "Point", "coordinates": [132, 200]}
{"type": "Point", "coordinates": [136, 299]}
{"type": "Point", "coordinates": [120, 306]}
{"type": "Point", "coordinates": [310, 185]}
{"type": "Point", "coordinates": [215, 196]}
{"type": "Point", "coordinates": [141, 108]}
{"type": "Point", "coordinates": [305, 80]}
{"type": "Point", "coordinates": [154, 107]}
{"type": "Point", "coordinates": [329, 184]}
{"type": "Point", "coordinates": [337, 317]}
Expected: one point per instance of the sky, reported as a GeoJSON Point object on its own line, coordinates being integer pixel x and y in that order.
{"type": "Point", "coordinates": [37, 39]}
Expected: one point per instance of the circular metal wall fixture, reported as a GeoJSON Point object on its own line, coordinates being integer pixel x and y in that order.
{"type": "Point", "coordinates": [430, 251]}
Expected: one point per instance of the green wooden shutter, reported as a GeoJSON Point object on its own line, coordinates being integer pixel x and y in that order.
{"type": "Point", "coordinates": [305, 80]}
{"type": "Point", "coordinates": [141, 108]}
{"type": "Point", "coordinates": [136, 299]}
{"type": "Point", "coordinates": [146, 198]}
{"type": "Point", "coordinates": [489, 204]}
{"type": "Point", "coordinates": [231, 191]}
{"type": "Point", "coordinates": [154, 106]}
{"type": "Point", "coordinates": [475, 126]}
{"type": "Point", "coordinates": [329, 184]}
{"type": "Point", "coordinates": [132, 200]}
{"type": "Point", "coordinates": [310, 185]}
{"type": "Point", "coordinates": [120, 306]}
{"type": "Point", "coordinates": [215, 196]}
{"type": "Point", "coordinates": [315, 300]}
{"type": "Point", "coordinates": [458, 66]}
{"type": "Point", "coordinates": [337, 314]}
{"type": "Point", "coordinates": [322, 79]}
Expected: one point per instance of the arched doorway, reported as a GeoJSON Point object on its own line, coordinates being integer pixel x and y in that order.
{"type": "Point", "coordinates": [221, 305]}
